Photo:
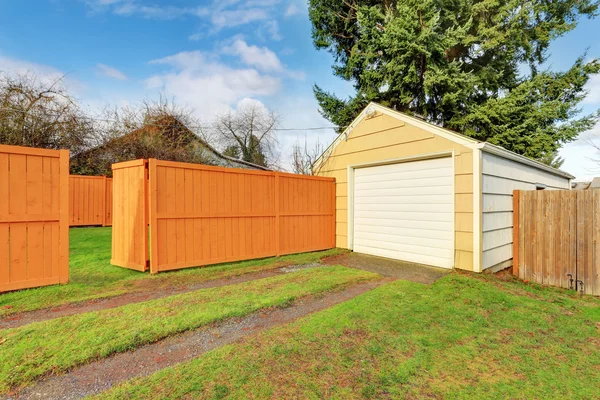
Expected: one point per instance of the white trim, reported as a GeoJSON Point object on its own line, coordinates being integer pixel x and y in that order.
{"type": "Point", "coordinates": [502, 152]}
{"type": "Point", "coordinates": [426, 156]}
{"type": "Point", "coordinates": [477, 207]}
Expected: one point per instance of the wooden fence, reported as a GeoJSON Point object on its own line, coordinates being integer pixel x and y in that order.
{"type": "Point", "coordinates": [90, 200]}
{"type": "Point", "coordinates": [557, 233]}
{"type": "Point", "coordinates": [34, 225]}
{"type": "Point", "coordinates": [130, 215]}
{"type": "Point", "coordinates": [201, 215]}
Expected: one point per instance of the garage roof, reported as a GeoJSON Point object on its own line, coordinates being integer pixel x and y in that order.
{"type": "Point", "coordinates": [373, 107]}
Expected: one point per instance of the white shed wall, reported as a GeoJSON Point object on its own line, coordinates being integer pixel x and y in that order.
{"type": "Point", "coordinates": [499, 178]}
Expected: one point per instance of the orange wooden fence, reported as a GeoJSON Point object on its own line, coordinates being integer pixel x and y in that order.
{"type": "Point", "coordinates": [90, 200]}
{"type": "Point", "coordinates": [34, 225]}
{"type": "Point", "coordinates": [556, 233]}
{"type": "Point", "coordinates": [201, 215]}
{"type": "Point", "coordinates": [130, 215]}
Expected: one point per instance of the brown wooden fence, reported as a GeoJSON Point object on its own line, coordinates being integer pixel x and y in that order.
{"type": "Point", "coordinates": [130, 215]}
{"type": "Point", "coordinates": [90, 200]}
{"type": "Point", "coordinates": [201, 215]}
{"type": "Point", "coordinates": [557, 233]}
{"type": "Point", "coordinates": [34, 225]}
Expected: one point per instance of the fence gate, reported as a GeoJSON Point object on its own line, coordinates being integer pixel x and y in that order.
{"type": "Point", "coordinates": [34, 212]}
{"type": "Point", "coordinates": [557, 238]}
{"type": "Point", "coordinates": [130, 223]}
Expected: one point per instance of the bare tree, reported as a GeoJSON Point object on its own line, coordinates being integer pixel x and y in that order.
{"type": "Point", "coordinates": [155, 129]}
{"type": "Point", "coordinates": [303, 158]}
{"type": "Point", "coordinates": [40, 114]}
{"type": "Point", "coordinates": [249, 131]}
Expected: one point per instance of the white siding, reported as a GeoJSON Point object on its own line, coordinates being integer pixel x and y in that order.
{"type": "Point", "coordinates": [406, 211]}
{"type": "Point", "coordinates": [499, 178]}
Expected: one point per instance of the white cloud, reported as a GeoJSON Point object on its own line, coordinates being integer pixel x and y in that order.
{"type": "Point", "coordinates": [221, 14]}
{"type": "Point", "coordinates": [135, 7]}
{"type": "Point", "coordinates": [111, 72]}
{"type": "Point", "coordinates": [45, 74]}
{"type": "Point", "coordinates": [273, 30]}
{"type": "Point", "coordinates": [295, 8]}
{"type": "Point", "coordinates": [582, 159]}
{"type": "Point", "coordinates": [202, 82]}
{"type": "Point", "coordinates": [241, 16]}
{"type": "Point", "coordinates": [593, 87]}
{"type": "Point", "coordinates": [259, 57]}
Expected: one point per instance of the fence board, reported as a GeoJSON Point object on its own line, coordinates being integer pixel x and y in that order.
{"type": "Point", "coordinates": [34, 237]}
{"type": "Point", "coordinates": [129, 233]}
{"type": "Point", "coordinates": [90, 200]}
{"type": "Point", "coordinates": [202, 215]}
{"type": "Point", "coordinates": [558, 234]}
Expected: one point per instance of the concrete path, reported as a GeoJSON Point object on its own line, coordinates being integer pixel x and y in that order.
{"type": "Point", "coordinates": [387, 267]}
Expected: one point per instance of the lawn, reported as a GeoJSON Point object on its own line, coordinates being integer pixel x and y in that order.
{"type": "Point", "coordinates": [36, 349]}
{"type": "Point", "coordinates": [462, 337]}
{"type": "Point", "coordinates": [92, 276]}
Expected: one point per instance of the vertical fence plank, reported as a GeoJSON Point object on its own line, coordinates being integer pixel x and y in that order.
{"type": "Point", "coordinates": [516, 238]}
{"type": "Point", "coordinates": [4, 227]}
{"type": "Point", "coordinates": [64, 217]}
{"type": "Point", "coordinates": [593, 281]}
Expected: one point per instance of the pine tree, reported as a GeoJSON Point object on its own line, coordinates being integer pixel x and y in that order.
{"type": "Point", "coordinates": [473, 66]}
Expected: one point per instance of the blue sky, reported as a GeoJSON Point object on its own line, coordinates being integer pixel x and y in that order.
{"type": "Point", "coordinates": [210, 56]}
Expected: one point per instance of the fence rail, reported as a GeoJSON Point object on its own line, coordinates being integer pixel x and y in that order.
{"type": "Point", "coordinates": [557, 233]}
{"type": "Point", "coordinates": [34, 226]}
{"type": "Point", "coordinates": [90, 200]}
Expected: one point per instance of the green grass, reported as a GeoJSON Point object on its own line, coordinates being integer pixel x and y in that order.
{"type": "Point", "coordinates": [92, 276]}
{"type": "Point", "coordinates": [33, 350]}
{"type": "Point", "coordinates": [463, 337]}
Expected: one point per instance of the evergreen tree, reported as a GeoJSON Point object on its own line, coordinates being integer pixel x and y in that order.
{"type": "Point", "coordinates": [473, 66]}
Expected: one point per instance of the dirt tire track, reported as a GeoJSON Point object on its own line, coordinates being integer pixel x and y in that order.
{"type": "Point", "coordinates": [101, 375]}
{"type": "Point", "coordinates": [24, 318]}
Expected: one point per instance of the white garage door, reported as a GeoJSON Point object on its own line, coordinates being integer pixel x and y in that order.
{"type": "Point", "coordinates": [405, 211]}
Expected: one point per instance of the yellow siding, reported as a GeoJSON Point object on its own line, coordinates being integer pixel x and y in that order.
{"type": "Point", "coordinates": [383, 137]}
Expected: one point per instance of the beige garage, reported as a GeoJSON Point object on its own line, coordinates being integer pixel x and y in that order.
{"type": "Point", "coordinates": [410, 190]}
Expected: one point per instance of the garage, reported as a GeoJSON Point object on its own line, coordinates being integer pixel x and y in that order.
{"type": "Point", "coordinates": [413, 191]}
{"type": "Point", "coordinates": [405, 211]}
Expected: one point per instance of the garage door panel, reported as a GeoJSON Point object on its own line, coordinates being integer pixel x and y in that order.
{"type": "Point", "coordinates": [421, 258]}
{"type": "Point", "coordinates": [406, 211]}
{"type": "Point", "coordinates": [367, 223]}
{"type": "Point", "coordinates": [405, 183]}
{"type": "Point", "coordinates": [403, 216]}
{"type": "Point", "coordinates": [407, 191]}
{"type": "Point", "coordinates": [409, 175]}
{"type": "Point", "coordinates": [434, 163]}
{"type": "Point", "coordinates": [405, 207]}
{"type": "Point", "coordinates": [415, 199]}
{"type": "Point", "coordinates": [417, 232]}
{"type": "Point", "coordinates": [419, 241]}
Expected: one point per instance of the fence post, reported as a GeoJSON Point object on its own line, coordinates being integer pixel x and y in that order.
{"type": "Point", "coordinates": [516, 218]}
{"type": "Point", "coordinates": [63, 266]}
{"type": "Point", "coordinates": [152, 211]}
{"type": "Point", "coordinates": [277, 220]}
{"type": "Point", "coordinates": [146, 216]}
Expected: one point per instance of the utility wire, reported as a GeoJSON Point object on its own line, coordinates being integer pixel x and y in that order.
{"type": "Point", "coordinates": [199, 127]}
